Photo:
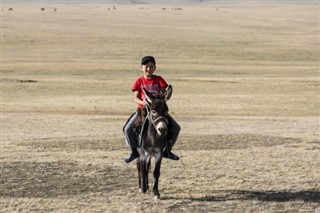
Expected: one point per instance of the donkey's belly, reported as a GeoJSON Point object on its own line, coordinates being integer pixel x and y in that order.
{"type": "Point", "coordinates": [154, 150]}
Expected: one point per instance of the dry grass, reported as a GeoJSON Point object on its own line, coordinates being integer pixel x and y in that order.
{"type": "Point", "coordinates": [246, 94]}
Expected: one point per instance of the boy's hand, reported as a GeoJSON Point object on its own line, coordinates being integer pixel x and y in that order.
{"type": "Point", "coordinates": [145, 102]}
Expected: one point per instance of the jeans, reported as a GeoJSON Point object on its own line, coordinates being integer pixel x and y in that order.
{"type": "Point", "coordinates": [131, 139]}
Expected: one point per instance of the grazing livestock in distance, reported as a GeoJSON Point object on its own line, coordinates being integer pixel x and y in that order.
{"type": "Point", "coordinates": [112, 8]}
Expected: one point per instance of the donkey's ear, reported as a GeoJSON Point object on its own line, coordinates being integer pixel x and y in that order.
{"type": "Point", "coordinates": [168, 93]}
{"type": "Point", "coordinates": [149, 96]}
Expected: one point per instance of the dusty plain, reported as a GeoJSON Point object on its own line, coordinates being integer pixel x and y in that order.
{"type": "Point", "coordinates": [246, 94]}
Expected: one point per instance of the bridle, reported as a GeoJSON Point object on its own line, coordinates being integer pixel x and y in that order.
{"type": "Point", "coordinates": [154, 121]}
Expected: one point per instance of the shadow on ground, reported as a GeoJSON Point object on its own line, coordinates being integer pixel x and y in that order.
{"type": "Point", "coordinates": [266, 196]}
{"type": "Point", "coordinates": [52, 179]}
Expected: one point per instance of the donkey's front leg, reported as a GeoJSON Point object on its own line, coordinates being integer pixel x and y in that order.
{"type": "Point", "coordinates": [143, 175]}
{"type": "Point", "coordinates": [156, 178]}
{"type": "Point", "coordinates": [148, 164]}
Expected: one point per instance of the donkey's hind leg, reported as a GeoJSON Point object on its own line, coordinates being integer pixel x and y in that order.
{"type": "Point", "coordinates": [139, 174]}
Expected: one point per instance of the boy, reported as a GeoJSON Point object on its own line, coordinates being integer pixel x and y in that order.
{"type": "Point", "coordinates": [154, 84]}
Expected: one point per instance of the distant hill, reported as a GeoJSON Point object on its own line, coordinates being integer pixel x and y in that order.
{"type": "Point", "coordinates": [159, 1]}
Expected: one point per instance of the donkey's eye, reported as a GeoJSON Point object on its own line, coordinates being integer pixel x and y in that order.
{"type": "Point", "coordinates": [153, 112]}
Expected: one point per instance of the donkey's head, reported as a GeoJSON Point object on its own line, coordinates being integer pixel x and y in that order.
{"type": "Point", "coordinates": [158, 110]}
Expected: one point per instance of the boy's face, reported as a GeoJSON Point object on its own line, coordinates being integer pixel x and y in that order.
{"type": "Point", "coordinates": [148, 69]}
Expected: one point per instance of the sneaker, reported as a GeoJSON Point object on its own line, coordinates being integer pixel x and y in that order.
{"type": "Point", "coordinates": [168, 154]}
{"type": "Point", "coordinates": [131, 157]}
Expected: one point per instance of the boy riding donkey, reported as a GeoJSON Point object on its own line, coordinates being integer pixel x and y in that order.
{"type": "Point", "coordinates": [155, 85]}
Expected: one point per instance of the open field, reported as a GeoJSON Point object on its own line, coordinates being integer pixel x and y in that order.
{"type": "Point", "coordinates": [246, 94]}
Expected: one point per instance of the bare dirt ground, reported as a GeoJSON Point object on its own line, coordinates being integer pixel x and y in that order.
{"type": "Point", "coordinates": [246, 94]}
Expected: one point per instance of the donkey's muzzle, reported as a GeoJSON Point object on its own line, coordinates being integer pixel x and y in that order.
{"type": "Point", "coordinates": [162, 128]}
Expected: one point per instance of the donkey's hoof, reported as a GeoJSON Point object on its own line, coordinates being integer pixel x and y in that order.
{"type": "Point", "coordinates": [142, 191]}
{"type": "Point", "coordinates": [157, 197]}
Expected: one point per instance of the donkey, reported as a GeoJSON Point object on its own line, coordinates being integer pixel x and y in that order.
{"type": "Point", "coordinates": [153, 139]}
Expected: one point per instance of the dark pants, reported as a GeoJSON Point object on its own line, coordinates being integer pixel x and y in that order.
{"type": "Point", "coordinates": [131, 139]}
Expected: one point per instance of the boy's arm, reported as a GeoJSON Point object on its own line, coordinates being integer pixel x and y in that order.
{"type": "Point", "coordinates": [136, 97]}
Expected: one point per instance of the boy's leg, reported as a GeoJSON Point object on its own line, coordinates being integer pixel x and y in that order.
{"type": "Point", "coordinates": [174, 130]}
{"type": "Point", "coordinates": [131, 139]}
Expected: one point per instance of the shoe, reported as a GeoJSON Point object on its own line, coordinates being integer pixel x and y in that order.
{"type": "Point", "coordinates": [168, 154]}
{"type": "Point", "coordinates": [131, 157]}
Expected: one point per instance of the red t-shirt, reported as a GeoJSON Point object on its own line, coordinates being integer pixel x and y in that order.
{"type": "Point", "coordinates": [153, 85]}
